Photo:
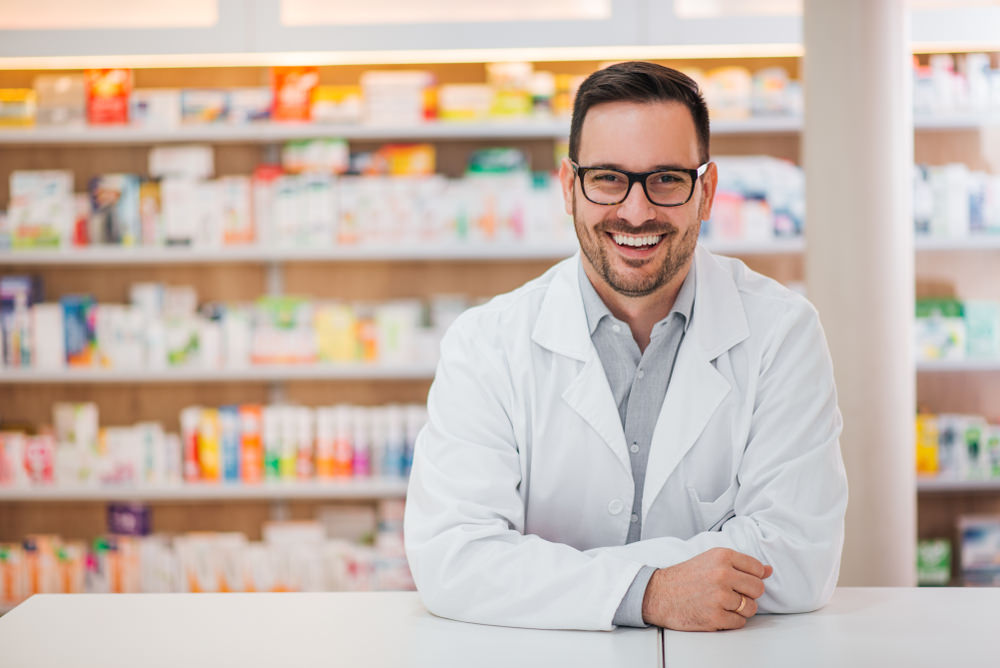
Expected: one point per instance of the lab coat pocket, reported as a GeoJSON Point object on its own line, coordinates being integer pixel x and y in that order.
{"type": "Point", "coordinates": [713, 514]}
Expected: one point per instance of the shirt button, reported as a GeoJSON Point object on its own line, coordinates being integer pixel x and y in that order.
{"type": "Point", "coordinates": [634, 448]}
{"type": "Point", "coordinates": [616, 506]}
{"type": "Point", "coordinates": [641, 373]}
{"type": "Point", "coordinates": [635, 518]}
{"type": "Point", "coordinates": [616, 328]}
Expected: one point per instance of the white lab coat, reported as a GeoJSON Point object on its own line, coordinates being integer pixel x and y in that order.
{"type": "Point", "coordinates": [520, 497]}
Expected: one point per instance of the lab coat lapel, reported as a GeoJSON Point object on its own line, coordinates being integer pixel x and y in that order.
{"type": "Point", "coordinates": [562, 328]}
{"type": "Point", "coordinates": [696, 387]}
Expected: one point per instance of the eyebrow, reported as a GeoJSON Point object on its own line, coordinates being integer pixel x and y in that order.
{"type": "Point", "coordinates": [655, 168]}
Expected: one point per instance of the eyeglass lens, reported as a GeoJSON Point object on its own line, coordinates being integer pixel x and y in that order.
{"type": "Point", "coordinates": [608, 186]}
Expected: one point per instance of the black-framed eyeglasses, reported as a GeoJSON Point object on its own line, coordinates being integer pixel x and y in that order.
{"type": "Point", "coordinates": [663, 187]}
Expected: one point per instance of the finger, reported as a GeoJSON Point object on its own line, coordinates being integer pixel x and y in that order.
{"type": "Point", "coordinates": [730, 620]}
{"type": "Point", "coordinates": [746, 607]}
{"type": "Point", "coordinates": [768, 571]}
{"type": "Point", "coordinates": [747, 564]}
{"type": "Point", "coordinates": [748, 585]}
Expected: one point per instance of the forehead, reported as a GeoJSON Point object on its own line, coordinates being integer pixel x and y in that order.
{"type": "Point", "coordinates": [638, 135]}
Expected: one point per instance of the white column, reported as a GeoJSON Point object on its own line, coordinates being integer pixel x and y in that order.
{"type": "Point", "coordinates": [857, 148]}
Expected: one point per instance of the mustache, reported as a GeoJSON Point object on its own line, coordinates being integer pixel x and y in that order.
{"type": "Point", "coordinates": [650, 228]}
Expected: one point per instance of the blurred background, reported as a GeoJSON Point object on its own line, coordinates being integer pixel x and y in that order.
{"type": "Point", "coordinates": [232, 234]}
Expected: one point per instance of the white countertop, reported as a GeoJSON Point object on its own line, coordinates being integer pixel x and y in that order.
{"type": "Point", "coordinates": [368, 630]}
{"type": "Point", "coordinates": [860, 627]}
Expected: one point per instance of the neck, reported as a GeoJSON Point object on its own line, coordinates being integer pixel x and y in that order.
{"type": "Point", "coordinates": [640, 313]}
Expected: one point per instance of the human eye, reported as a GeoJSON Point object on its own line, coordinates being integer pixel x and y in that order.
{"type": "Point", "coordinates": [668, 178]}
{"type": "Point", "coordinates": [607, 176]}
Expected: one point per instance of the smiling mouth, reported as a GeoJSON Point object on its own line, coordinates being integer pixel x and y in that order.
{"type": "Point", "coordinates": [636, 242]}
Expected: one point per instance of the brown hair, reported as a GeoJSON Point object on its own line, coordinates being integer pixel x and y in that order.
{"type": "Point", "coordinates": [638, 81]}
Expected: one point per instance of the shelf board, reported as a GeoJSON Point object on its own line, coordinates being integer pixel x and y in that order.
{"type": "Point", "coordinates": [260, 373]}
{"type": "Point", "coordinates": [970, 243]}
{"type": "Point", "coordinates": [368, 488]}
{"type": "Point", "coordinates": [265, 133]}
{"type": "Point", "coordinates": [454, 251]}
{"type": "Point", "coordinates": [777, 246]}
{"type": "Point", "coordinates": [957, 120]}
{"type": "Point", "coordinates": [935, 366]}
{"type": "Point", "coordinates": [930, 484]}
{"type": "Point", "coordinates": [551, 128]}
{"type": "Point", "coordinates": [117, 255]}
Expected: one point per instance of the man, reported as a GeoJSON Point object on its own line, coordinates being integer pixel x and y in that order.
{"type": "Point", "coordinates": [647, 433]}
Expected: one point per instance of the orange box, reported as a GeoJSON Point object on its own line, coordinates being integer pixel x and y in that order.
{"type": "Point", "coordinates": [251, 445]}
{"type": "Point", "coordinates": [293, 92]}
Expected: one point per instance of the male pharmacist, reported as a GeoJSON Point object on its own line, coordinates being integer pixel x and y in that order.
{"type": "Point", "coordinates": [645, 434]}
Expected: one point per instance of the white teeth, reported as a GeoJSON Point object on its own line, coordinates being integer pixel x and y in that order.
{"type": "Point", "coordinates": [625, 240]}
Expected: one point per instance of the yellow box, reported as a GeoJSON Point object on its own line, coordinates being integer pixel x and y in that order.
{"type": "Point", "coordinates": [17, 107]}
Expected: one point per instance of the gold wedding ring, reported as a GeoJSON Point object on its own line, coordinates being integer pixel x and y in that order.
{"type": "Point", "coordinates": [743, 601]}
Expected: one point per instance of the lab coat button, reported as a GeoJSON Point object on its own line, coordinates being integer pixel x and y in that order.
{"type": "Point", "coordinates": [634, 448]}
{"type": "Point", "coordinates": [635, 518]}
{"type": "Point", "coordinates": [616, 506]}
{"type": "Point", "coordinates": [616, 328]}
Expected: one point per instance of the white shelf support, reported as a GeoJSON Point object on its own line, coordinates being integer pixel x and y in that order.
{"type": "Point", "coordinates": [857, 149]}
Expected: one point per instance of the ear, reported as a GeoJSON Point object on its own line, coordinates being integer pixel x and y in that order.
{"type": "Point", "coordinates": [708, 181]}
{"type": "Point", "coordinates": [567, 179]}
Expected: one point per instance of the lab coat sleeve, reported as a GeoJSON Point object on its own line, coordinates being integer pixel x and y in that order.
{"type": "Point", "coordinates": [789, 510]}
{"type": "Point", "coordinates": [464, 522]}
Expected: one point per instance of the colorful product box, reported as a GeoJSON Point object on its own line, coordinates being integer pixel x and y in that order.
{"type": "Point", "coordinates": [114, 202]}
{"type": "Point", "coordinates": [129, 519]}
{"type": "Point", "coordinates": [235, 201]}
{"type": "Point", "coordinates": [39, 459]}
{"type": "Point", "coordinates": [229, 423]}
{"type": "Point", "coordinates": [337, 104]}
{"type": "Point", "coordinates": [251, 444]}
{"type": "Point", "coordinates": [190, 420]}
{"type": "Point", "coordinates": [250, 105]}
{"type": "Point", "coordinates": [62, 99]}
{"type": "Point", "coordinates": [79, 323]}
{"type": "Point", "coordinates": [17, 107]}
{"type": "Point", "coordinates": [940, 329]}
{"type": "Point", "coordinates": [41, 207]}
{"type": "Point", "coordinates": [158, 108]}
{"type": "Point", "coordinates": [108, 92]}
{"type": "Point", "coordinates": [209, 445]}
{"type": "Point", "coordinates": [199, 106]}
{"type": "Point", "coordinates": [982, 324]}
{"type": "Point", "coordinates": [293, 92]}
{"type": "Point", "coordinates": [980, 550]}
{"type": "Point", "coordinates": [927, 444]}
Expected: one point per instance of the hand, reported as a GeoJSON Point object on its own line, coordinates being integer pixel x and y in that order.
{"type": "Point", "coordinates": [702, 593]}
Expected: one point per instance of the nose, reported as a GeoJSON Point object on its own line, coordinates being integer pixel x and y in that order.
{"type": "Point", "coordinates": [636, 208]}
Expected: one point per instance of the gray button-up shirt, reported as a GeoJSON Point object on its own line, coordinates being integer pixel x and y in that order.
{"type": "Point", "coordinates": [638, 381]}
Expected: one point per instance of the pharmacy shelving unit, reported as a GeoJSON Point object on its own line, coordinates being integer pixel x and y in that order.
{"type": "Point", "coordinates": [356, 273]}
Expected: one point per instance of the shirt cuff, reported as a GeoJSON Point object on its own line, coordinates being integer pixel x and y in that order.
{"type": "Point", "coordinates": [629, 611]}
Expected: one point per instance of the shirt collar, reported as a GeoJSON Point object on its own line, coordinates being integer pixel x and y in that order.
{"type": "Point", "coordinates": [596, 309]}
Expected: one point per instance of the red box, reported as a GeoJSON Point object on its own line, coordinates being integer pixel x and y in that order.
{"type": "Point", "coordinates": [108, 91]}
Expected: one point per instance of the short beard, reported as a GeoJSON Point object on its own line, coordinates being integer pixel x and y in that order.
{"type": "Point", "coordinates": [676, 257]}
